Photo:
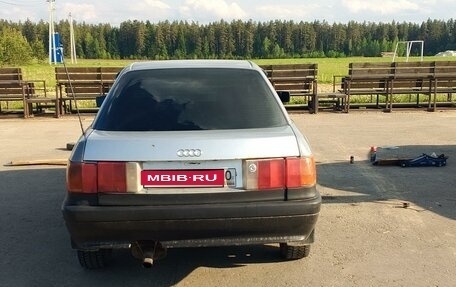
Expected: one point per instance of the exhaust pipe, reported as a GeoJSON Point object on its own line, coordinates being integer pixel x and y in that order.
{"type": "Point", "coordinates": [148, 252]}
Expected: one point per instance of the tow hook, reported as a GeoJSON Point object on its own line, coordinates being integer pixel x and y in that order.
{"type": "Point", "coordinates": [148, 252]}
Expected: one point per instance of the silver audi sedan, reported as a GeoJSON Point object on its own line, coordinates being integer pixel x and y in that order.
{"type": "Point", "coordinates": [190, 153]}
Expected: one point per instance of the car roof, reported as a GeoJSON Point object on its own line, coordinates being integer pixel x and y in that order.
{"type": "Point", "coordinates": [175, 64]}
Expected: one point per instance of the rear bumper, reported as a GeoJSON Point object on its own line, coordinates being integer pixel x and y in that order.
{"type": "Point", "coordinates": [193, 225]}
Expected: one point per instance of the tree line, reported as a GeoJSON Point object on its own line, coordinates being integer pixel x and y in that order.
{"type": "Point", "coordinates": [224, 40]}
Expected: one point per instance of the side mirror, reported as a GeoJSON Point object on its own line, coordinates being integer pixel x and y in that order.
{"type": "Point", "coordinates": [284, 96]}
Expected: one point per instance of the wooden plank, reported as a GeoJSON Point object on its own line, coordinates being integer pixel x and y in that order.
{"type": "Point", "coordinates": [298, 79]}
{"type": "Point", "coordinates": [10, 75]}
{"type": "Point", "coordinates": [83, 89]}
{"type": "Point", "coordinates": [13, 78]}
{"type": "Point", "coordinates": [82, 78]}
{"type": "Point", "coordinates": [370, 65]}
{"type": "Point", "coordinates": [10, 70]}
{"type": "Point", "coordinates": [38, 162]}
{"type": "Point", "coordinates": [109, 74]}
{"type": "Point", "coordinates": [293, 74]}
{"type": "Point", "coordinates": [12, 88]}
{"type": "Point", "coordinates": [291, 86]}
{"type": "Point", "coordinates": [78, 70]}
{"type": "Point", "coordinates": [445, 69]}
{"type": "Point", "coordinates": [370, 70]}
{"type": "Point", "coordinates": [18, 89]}
{"type": "Point", "coordinates": [414, 70]}
{"type": "Point", "coordinates": [295, 67]}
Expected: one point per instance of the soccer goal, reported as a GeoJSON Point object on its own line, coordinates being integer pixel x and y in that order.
{"type": "Point", "coordinates": [408, 46]}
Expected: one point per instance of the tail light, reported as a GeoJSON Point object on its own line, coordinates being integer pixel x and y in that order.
{"type": "Point", "coordinates": [112, 177]}
{"type": "Point", "coordinates": [267, 174]}
{"type": "Point", "coordinates": [82, 177]}
{"type": "Point", "coordinates": [96, 177]}
{"type": "Point", "coordinates": [301, 172]}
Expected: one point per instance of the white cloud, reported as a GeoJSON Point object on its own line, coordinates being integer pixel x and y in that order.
{"type": "Point", "coordinates": [380, 6]}
{"type": "Point", "coordinates": [18, 14]}
{"type": "Point", "coordinates": [203, 11]}
{"type": "Point", "coordinates": [212, 10]}
{"type": "Point", "coordinates": [287, 12]}
{"type": "Point", "coordinates": [80, 12]}
{"type": "Point", "coordinates": [152, 10]}
{"type": "Point", "coordinates": [149, 6]}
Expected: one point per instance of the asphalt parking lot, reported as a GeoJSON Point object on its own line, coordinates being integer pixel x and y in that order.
{"type": "Point", "coordinates": [365, 237]}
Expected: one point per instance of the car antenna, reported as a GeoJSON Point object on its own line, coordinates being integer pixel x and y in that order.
{"type": "Point", "coordinates": [74, 97]}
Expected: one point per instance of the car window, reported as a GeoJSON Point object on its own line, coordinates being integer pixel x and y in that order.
{"type": "Point", "coordinates": [190, 99]}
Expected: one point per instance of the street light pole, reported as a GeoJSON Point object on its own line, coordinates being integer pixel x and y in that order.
{"type": "Point", "coordinates": [52, 48]}
{"type": "Point", "coordinates": [72, 42]}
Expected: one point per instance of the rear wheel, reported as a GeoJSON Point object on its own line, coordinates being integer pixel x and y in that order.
{"type": "Point", "coordinates": [293, 252]}
{"type": "Point", "coordinates": [94, 259]}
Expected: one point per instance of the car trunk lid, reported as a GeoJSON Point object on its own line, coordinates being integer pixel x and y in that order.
{"type": "Point", "coordinates": [191, 145]}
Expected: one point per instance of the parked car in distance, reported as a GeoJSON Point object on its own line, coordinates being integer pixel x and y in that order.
{"type": "Point", "coordinates": [190, 153]}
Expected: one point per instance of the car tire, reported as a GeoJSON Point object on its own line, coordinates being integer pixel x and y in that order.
{"type": "Point", "coordinates": [94, 259]}
{"type": "Point", "coordinates": [289, 252]}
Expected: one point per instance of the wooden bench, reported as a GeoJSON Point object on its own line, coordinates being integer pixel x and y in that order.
{"type": "Point", "coordinates": [412, 78]}
{"type": "Point", "coordinates": [444, 80]}
{"type": "Point", "coordinates": [83, 83]}
{"type": "Point", "coordinates": [399, 78]}
{"type": "Point", "coordinates": [366, 79]}
{"type": "Point", "coordinates": [300, 80]}
{"type": "Point", "coordinates": [14, 88]}
{"type": "Point", "coordinates": [330, 100]}
{"type": "Point", "coordinates": [38, 101]}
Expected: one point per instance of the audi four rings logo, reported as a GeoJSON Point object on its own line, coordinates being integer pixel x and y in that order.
{"type": "Point", "coordinates": [189, 153]}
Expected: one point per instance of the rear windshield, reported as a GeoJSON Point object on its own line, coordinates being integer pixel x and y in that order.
{"type": "Point", "coordinates": [190, 99]}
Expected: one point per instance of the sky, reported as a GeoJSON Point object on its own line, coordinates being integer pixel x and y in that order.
{"type": "Point", "coordinates": [115, 12]}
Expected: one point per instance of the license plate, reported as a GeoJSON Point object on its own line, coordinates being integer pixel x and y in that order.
{"type": "Point", "coordinates": [183, 178]}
